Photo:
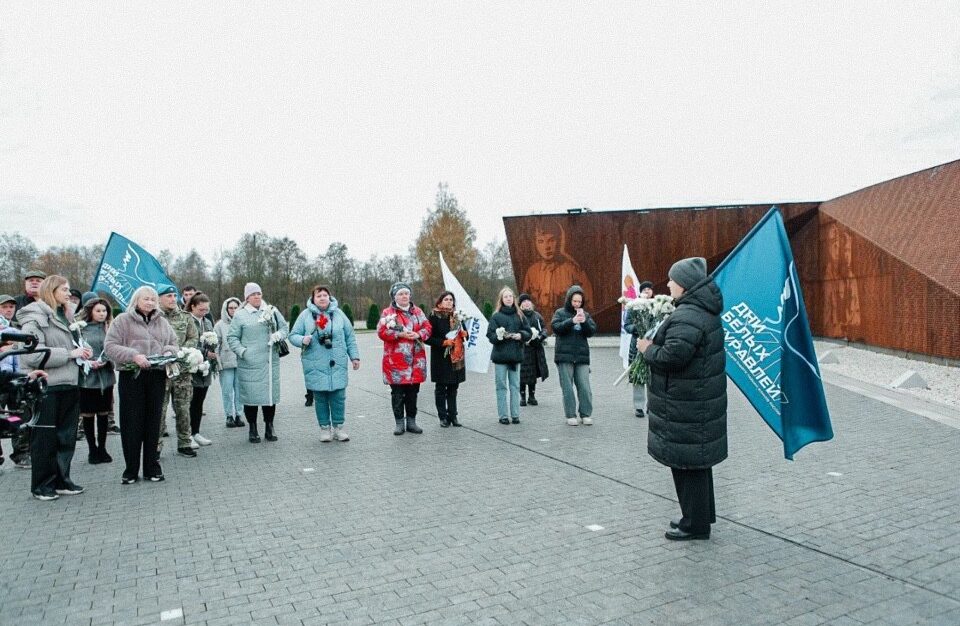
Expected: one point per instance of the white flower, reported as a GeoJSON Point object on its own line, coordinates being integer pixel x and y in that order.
{"type": "Point", "coordinates": [390, 321]}
{"type": "Point", "coordinates": [622, 300]}
{"type": "Point", "coordinates": [78, 326]}
{"type": "Point", "coordinates": [204, 368]}
{"type": "Point", "coordinates": [501, 333]}
{"type": "Point", "coordinates": [209, 338]}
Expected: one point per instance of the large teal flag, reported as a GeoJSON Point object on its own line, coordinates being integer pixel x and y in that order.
{"type": "Point", "coordinates": [770, 354]}
{"type": "Point", "coordinates": [124, 267]}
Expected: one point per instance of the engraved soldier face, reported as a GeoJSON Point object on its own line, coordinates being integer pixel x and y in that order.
{"type": "Point", "coordinates": [546, 245]}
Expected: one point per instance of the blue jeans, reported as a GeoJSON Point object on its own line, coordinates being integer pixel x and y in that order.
{"type": "Point", "coordinates": [330, 406]}
{"type": "Point", "coordinates": [508, 375]}
{"type": "Point", "coordinates": [230, 392]}
{"type": "Point", "coordinates": [578, 376]}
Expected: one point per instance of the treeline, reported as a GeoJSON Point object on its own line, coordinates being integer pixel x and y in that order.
{"type": "Point", "coordinates": [286, 272]}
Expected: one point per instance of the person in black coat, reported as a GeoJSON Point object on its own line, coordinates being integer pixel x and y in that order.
{"type": "Point", "coordinates": [447, 357]}
{"type": "Point", "coordinates": [645, 290]}
{"type": "Point", "coordinates": [534, 364]}
{"type": "Point", "coordinates": [572, 325]}
{"type": "Point", "coordinates": [688, 395]}
{"type": "Point", "coordinates": [508, 331]}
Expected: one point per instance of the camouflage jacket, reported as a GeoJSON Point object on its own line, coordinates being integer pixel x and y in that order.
{"type": "Point", "coordinates": [183, 326]}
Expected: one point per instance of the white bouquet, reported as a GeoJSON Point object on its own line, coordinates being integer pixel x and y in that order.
{"type": "Point", "coordinates": [501, 333]}
{"type": "Point", "coordinates": [210, 339]}
{"type": "Point", "coordinates": [646, 314]}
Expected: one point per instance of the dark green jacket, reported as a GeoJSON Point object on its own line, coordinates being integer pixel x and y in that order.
{"type": "Point", "coordinates": [572, 346]}
{"type": "Point", "coordinates": [688, 384]}
{"type": "Point", "coordinates": [508, 351]}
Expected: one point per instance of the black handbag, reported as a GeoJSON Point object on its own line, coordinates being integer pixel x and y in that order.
{"type": "Point", "coordinates": [282, 345]}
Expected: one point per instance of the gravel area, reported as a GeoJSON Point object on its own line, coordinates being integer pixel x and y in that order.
{"type": "Point", "coordinates": [882, 369]}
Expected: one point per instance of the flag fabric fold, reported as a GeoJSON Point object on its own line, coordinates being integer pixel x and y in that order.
{"type": "Point", "coordinates": [770, 354]}
{"type": "Point", "coordinates": [478, 349]}
{"type": "Point", "coordinates": [124, 267]}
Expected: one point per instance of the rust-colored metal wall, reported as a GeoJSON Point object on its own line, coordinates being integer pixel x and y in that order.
{"type": "Point", "coordinates": [878, 266]}
{"type": "Point", "coordinates": [552, 252]}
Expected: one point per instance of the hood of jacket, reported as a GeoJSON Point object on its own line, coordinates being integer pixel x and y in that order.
{"type": "Point", "coordinates": [226, 317]}
{"type": "Point", "coordinates": [705, 295]}
{"type": "Point", "coordinates": [39, 311]}
{"type": "Point", "coordinates": [575, 289]}
{"type": "Point", "coordinates": [313, 308]}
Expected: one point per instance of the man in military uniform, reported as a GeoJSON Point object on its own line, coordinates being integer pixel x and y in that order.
{"type": "Point", "coordinates": [180, 387]}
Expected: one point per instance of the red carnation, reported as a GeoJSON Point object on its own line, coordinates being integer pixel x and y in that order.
{"type": "Point", "coordinates": [322, 322]}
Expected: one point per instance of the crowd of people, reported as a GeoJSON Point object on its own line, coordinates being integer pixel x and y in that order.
{"type": "Point", "coordinates": [142, 353]}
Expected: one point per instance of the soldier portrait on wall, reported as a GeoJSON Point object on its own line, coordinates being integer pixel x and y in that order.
{"type": "Point", "coordinates": [548, 279]}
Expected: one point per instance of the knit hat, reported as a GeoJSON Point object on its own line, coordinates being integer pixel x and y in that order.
{"type": "Point", "coordinates": [34, 274]}
{"type": "Point", "coordinates": [688, 272]}
{"type": "Point", "coordinates": [87, 297]}
{"type": "Point", "coordinates": [523, 298]}
{"type": "Point", "coordinates": [644, 285]}
{"type": "Point", "coordinates": [397, 287]}
{"type": "Point", "coordinates": [251, 288]}
{"type": "Point", "coordinates": [4, 298]}
{"type": "Point", "coordinates": [162, 291]}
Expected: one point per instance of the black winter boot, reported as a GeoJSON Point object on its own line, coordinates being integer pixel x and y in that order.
{"type": "Point", "coordinates": [412, 426]}
{"type": "Point", "coordinates": [523, 398]}
{"type": "Point", "coordinates": [268, 431]}
{"type": "Point", "coordinates": [400, 428]}
{"type": "Point", "coordinates": [308, 399]}
{"type": "Point", "coordinates": [532, 400]}
{"type": "Point", "coordinates": [254, 433]}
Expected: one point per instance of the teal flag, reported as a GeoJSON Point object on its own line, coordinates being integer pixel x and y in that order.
{"type": "Point", "coordinates": [124, 267]}
{"type": "Point", "coordinates": [770, 354]}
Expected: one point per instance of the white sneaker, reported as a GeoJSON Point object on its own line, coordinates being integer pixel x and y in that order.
{"type": "Point", "coordinates": [586, 421]}
{"type": "Point", "coordinates": [203, 441]}
{"type": "Point", "coordinates": [572, 421]}
{"type": "Point", "coordinates": [339, 435]}
{"type": "Point", "coordinates": [325, 435]}
{"type": "Point", "coordinates": [194, 444]}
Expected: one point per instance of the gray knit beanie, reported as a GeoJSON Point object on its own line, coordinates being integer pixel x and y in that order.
{"type": "Point", "coordinates": [397, 287]}
{"type": "Point", "coordinates": [688, 272]}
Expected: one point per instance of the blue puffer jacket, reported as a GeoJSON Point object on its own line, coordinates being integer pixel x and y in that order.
{"type": "Point", "coordinates": [325, 369]}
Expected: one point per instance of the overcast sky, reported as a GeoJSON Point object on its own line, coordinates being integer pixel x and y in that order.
{"type": "Point", "coordinates": [187, 124]}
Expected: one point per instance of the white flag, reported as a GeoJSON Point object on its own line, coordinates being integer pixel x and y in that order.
{"type": "Point", "coordinates": [478, 348]}
{"type": "Point", "coordinates": [628, 289]}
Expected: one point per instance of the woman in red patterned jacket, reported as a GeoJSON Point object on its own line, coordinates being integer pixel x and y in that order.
{"type": "Point", "coordinates": [404, 328]}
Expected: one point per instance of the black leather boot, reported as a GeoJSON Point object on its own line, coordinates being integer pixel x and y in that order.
{"type": "Point", "coordinates": [412, 426]}
{"type": "Point", "coordinates": [400, 427]}
{"type": "Point", "coordinates": [268, 431]}
{"type": "Point", "coordinates": [532, 400]}
{"type": "Point", "coordinates": [523, 398]}
{"type": "Point", "coordinates": [254, 433]}
{"type": "Point", "coordinates": [308, 399]}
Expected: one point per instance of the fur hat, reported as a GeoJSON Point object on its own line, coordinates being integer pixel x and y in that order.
{"type": "Point", "coordinates": [688, 272]}
{"type": "Point", "coordinates": [87, 297]}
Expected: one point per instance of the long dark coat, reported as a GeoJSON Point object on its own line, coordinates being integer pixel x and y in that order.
{"type": "Point", "coordinates": [534, 364]}
{"type": "Point", "coordinates": [688, 383]}
{"type": "Point", "coordinates": [508, 351]}
{"type": "Point", "coordinates": [442, 370]}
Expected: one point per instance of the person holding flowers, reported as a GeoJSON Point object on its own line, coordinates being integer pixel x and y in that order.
{"type": "Point", "coordinates": [198, 306]}
{"type": "Point", "coordinates": [53, 439]}
{"type": "Point", "coordinates": [634, 325]}
{"type": "Point", "coordinates": [328, 348]}
{"type": "Point", "coordinates": [534, 364]}
{"type": "Point", "coordinates": [572, 325]}
{"type": "Point", "coordinates": [403, 328]}
{"type": "Point", "coordinates": [227, 360]}
{"type": "Point", "coordinates": [180, 386]}
{"type": "Point", "coordinates": [255, 335]}
{"type": "Point", "coordinates": [139, 342]}
{"type": "Point", "coordinates": [447, 356]}
{"type": "Point", "coordinates": [508, 331]}
{"type": "Point", "coordinates": [688, 395]}
{"type": "Point", "coordinates": [97, 379]}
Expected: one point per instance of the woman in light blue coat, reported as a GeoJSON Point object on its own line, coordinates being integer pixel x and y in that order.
{"type": "Point", "coordinates": [327, 342]}
{"type": "Point", "coordinates": [255, 334]}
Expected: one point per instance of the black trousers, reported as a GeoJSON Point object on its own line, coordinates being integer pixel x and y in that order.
{"type": "Point", "coordinates": [404, 397]}
{"type": "Point", "coordinates": [141, 405]}
{"type": "Point", "coordinates": [695, 493]}
{"type": "Point", "coordinates": [250, 412]}
{"type": "Point", "coordinates": [196, 408]}
{"type": "Point", "coordinates": [446, 398]}
{"type": "Point", "coordinates": [54, 439]}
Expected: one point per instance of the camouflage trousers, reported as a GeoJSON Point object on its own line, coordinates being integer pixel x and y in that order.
{"type": "Point", "coordinates": [180, 389]}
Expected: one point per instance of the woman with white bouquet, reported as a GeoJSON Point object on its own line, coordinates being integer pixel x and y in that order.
{"type": "Point", "coordinates": [255, 335]}
{"type": "Point", "coordinates": [97, 378]}
{"type": "Point", "coordinates": [508, 331]}
{"type": "Point", "coordinates": [198, 306]}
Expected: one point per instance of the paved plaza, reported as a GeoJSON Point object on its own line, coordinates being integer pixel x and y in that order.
{"type": "Point", "coordinates": [536, 523]}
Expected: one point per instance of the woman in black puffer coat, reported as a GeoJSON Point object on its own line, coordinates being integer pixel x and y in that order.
{"type": "Point", "coordinates": [507, 332]}
{"type": "Point", "coordinates": [572, 325]}
{"type": "Point", "coordinates": [688, 395]}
